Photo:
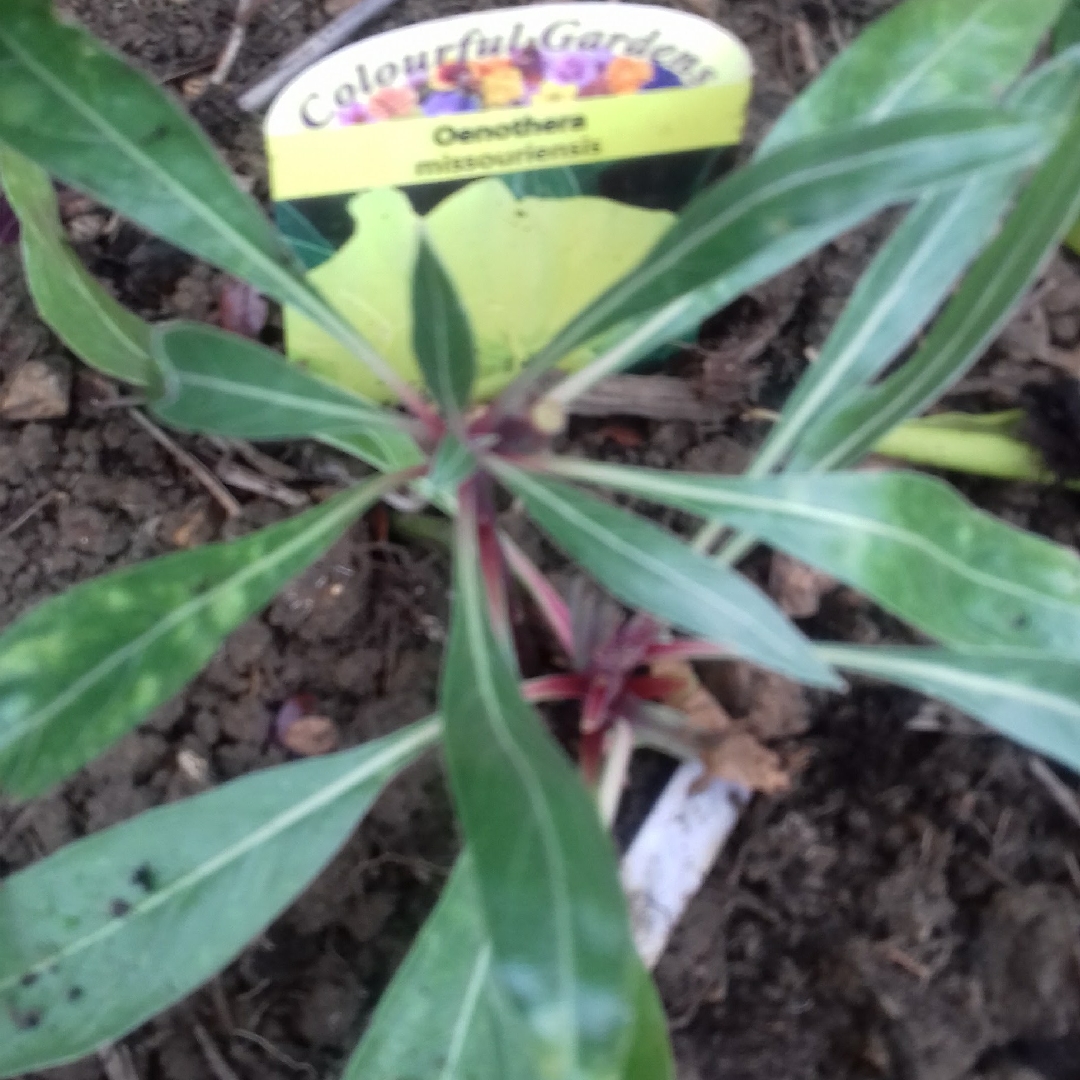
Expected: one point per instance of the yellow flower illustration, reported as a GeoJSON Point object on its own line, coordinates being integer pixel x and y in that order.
{"type": "Point", "coordinates": [553, 91]}
{"type": "Point", "coordinates": [483, 68]}
{"type": "Point", "coordinates": [503, 86]}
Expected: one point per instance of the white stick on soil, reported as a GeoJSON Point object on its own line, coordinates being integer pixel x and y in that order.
{"type": "Point", "coordinates": [334, 33]}
{"type": "Point", "coordinates": [673, 852]}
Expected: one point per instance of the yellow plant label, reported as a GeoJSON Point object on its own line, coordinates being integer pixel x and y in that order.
{"type": "Point", "coordinates": [544, 148]}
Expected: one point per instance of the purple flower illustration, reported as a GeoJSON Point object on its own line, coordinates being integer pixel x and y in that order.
{"type": "Point", "coordinates": [356, 113]}
{"type": "Point", "coordinates": [530, 62]}
{"type": "Point", "coordinates": [579, 68]}
{"type": "Point", "coordinates": [445, 102]}
{"type": "Point", "coordinates": [663, 79]}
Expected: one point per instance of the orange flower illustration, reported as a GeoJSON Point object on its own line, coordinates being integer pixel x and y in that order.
{"type": "Point", "coordinates": [483, 68]}
{"type": "Point", "coordinates": [393, 101]}
{"type": "Point", "coordinates": [503, 86]}
{"type": "Point", "coordinates": [628, 74]}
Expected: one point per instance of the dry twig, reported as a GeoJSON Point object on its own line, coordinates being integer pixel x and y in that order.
{"type": "Point", "coordinates": [117, 1064]}
{"type": "Point", "coordinates": [652, 397]}
{"type": "Point", "coordinates": [214, 1057]}
{"type": "Point", "coordinates": [197, 469]}
{"type": "Point", "coordinates": [245, 12]}
{"type": "Point", "coordinates": [32, 510]}
{"type": "Point", "coordinates": [236, 476]}
{"type": "Point", "coordinates": [333, 34]}
{"type": "Point", "coordinates": [1056, 788]}
{"type": "Point", "coordinates": [278, 1055]}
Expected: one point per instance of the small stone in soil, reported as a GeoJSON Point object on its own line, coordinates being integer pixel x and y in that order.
{"type": "Point", "coordinates": [310, 736]}
{"type": "Point", "coordinates": [39, 390]}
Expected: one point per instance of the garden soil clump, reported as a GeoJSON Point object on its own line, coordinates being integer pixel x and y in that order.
{"type": "Point", "coordinates": [909, 909]}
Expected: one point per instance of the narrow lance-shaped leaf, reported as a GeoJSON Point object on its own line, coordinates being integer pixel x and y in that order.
{"type": "Point", "coordinates": [870, 81]}
{"type": "Point", "coordinates": [545, 870]}
{"type": "Point", "coordinates": [909, 541]}
{"type": "Point", "coordinates": [83, 668]}
{"type": "Point", "coordinates": [894, 298]}
{"type": "Point", "coordinates": [650, 1056]}
{"type": "Point", "coordinates": [912, 274]}
{"type": "Point", "coordinates": [223, 384]}
{"type": "Point", "coordinates": [80, 311]}
{"type": "Point", "coordinates": [649, 568]}
{"type": "Point", "coordinates": [444, 1016]}
{"type": "Point", "coordinates": [451, 465]}
{"type": "Point", "coordinates": [983, 304]}
{"type": "Point", "coordinates": [922, 53]}
{"type": "Point", "coordinates": [114, 928]}
{"type": "Point", "coordinates": [1067, 31]}
{"type": "Point", "coordinates": [442, 338]}
{"type": "Point", "coordinates": [89, 118]}
{"type": "Point", "coordinates": [770, 214]}
{"type": "Point", "coordinates": [1031, 696]}
{"type": "Point", "coordinates": [1066, 35]}
{"type": "Point", "coordinates": [981, 444]}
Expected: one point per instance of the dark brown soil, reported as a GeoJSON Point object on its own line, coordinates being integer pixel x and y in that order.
{"type": "Point", "coordinates": [911, 910]}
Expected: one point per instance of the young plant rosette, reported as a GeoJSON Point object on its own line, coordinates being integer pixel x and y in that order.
{"type": "Point", "coordinates": [527, 966]}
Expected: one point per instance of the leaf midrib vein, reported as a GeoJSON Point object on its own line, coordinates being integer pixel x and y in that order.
{"type": "Point", "coordinates": [422, 734]}
{"type": "Point", "coordinates": [176, 617]}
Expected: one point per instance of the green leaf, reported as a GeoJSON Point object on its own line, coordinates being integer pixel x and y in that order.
{"type": "Point", "coordinates": [648, 568]}
{"type": "Point", "coordinates": [386, 450]}
{"type": "Point", "coordinates": [87, 117]}
{"type": "Point", "coordinates": [443, 1016]}
{"type": "Point", "coordinates": [310, 246]}
{"type": "Point", "coordinates": [980, 308]}
{"type": "Point", "coordinates": [982, 444]}
{"type": "Point", "coordinates": [1067, 31]}
{"type": "Point", "coordinates": [911, 275]}
{"type": "Point", "coordinates": [948, 228]}
{"type": "Point", "coordinates": [78, 309]}
{"type": "Point", "coordinates": [910, 542]}
{"type": "Point", "coordinates": [922, 53]}
{"type": "Point", "coordinates": [775, 211]}
{"type": "Point", "coordinates": [1031, 696]}
{"type": "Point", "coordinates": [454, 462]}
{"type": "Point", "coordinates": [222, 384]}
{"type": "Point", "coordinates": [897, 294]}
{"type": "Point", "coordinates": [114, 928]}
{"type": "Point", "coordinates": [521, 268]}
{"type": "Point", "coordinates": [650, 1055]}
{"type": "Point", "coordinates": [83, 668]}
{"type": "Point", "coordinates": [442, 338]}
{"type": "Point", "coordinates": [546, 871]}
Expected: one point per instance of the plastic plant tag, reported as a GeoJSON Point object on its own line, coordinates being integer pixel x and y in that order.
{"type": "Point", "coordinates": [544, 150]}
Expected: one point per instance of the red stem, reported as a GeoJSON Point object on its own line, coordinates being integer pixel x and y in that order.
{"type": "Point", "coordinates": [552, 606]}
{"type": "Point", "coordinates": [491, 562]}
{"type": "Point", "coordinates": [653, 687]}
{"type": "Point", "coordinates": [553, 688]}
{"type": "Point", "coordinates": [687, 649]}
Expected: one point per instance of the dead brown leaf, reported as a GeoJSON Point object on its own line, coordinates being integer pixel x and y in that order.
{"type": "Point", "coordinates": [742, 759]}
{"type": "Point", "coordinates": [730, 750]}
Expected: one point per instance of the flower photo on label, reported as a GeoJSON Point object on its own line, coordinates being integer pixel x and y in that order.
{"type": "Point", "coordinates": [527, 76]}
